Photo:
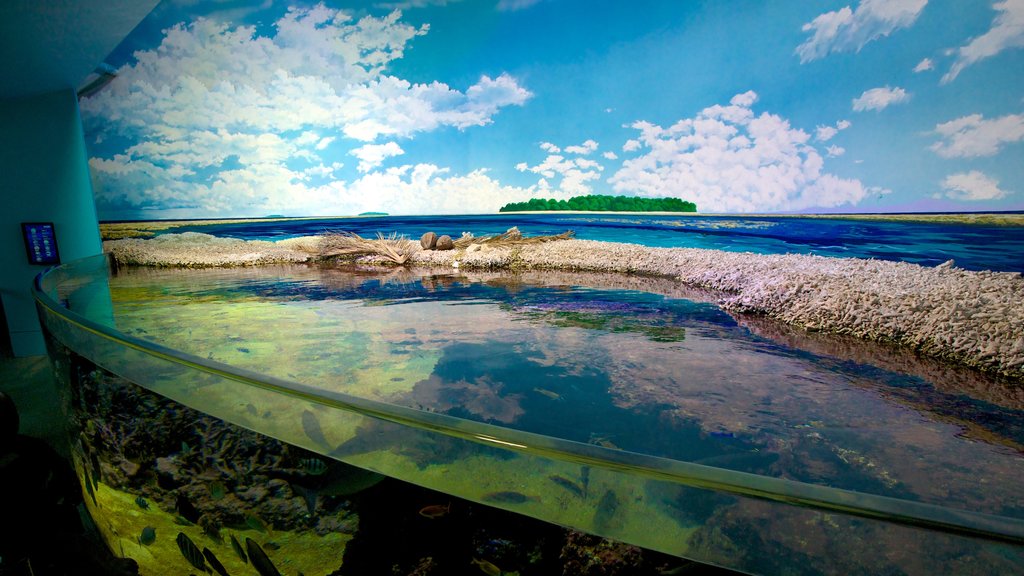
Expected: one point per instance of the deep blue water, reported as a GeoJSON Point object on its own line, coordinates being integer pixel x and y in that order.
{"type": "Point", "coordinates": [972, 247]}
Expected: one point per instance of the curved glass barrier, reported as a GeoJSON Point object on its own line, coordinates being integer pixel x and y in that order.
{"type": "Point", "coordinates": [173, 440]}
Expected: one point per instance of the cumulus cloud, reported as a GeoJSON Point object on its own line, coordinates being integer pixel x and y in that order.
{"type": "Point", "coordinates": [574, 174]}
{"type": "Point", "coordinates": [1007, 32]}
{"type": "Point", "coordinates": [847, 30]}
{"type": "Point", "coordinates": [924, 65]}
{"type": "Point", "coordinates": [240, 108]}
{"type": "Point", "coordinates": [729, 159]}
{"type": "Point", "coordinates": [373, 155]}
{"type": "Point", "coordinates": [972, 186]}
{"type": "Point", "coordinates": [513, 5]}
{"type": "Point", "coordinates": [610, 155]}
{"type": "Point", "coordinates": [879, 98]}
{"type": "Point", "coordinates": [835, 151]}
{"type": "Point", "coordinates": [273, 188]}
{"type": "Point", "coordinates": [631, 145]}
{"type": "Point", "coordinates": [583, 149]}
{"type": "Point", "coordinates": [973, 136]}
{"type": "Point", "coordinates": [825, 133]}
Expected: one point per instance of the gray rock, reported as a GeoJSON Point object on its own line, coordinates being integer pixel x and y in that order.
{"type": "Point", "coordinates": [445, 243]}
{"type": "Point", "coordinates": [429, 240]}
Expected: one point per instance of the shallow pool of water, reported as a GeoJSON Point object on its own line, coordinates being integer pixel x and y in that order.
{"type": "Point", "coordinates": [590, 361]}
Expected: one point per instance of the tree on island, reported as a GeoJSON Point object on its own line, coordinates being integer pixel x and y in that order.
{"type": "Point", "coordinates": [602, 203]}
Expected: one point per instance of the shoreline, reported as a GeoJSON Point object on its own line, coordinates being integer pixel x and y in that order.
{"type": "Point", "coordinates": [149, 228]}
{"type": "Point", "coordinates": [967, 317]}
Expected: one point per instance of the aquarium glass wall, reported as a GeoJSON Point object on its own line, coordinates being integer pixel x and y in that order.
{"type": "Point", "coordinates": [225, 415]}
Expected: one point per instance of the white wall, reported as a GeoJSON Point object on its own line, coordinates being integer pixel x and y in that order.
{"type": "Point", "coordinates": [45, 177]}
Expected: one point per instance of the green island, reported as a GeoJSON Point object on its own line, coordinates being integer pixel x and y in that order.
{"type": "Point", "coordinates": [602, 203]}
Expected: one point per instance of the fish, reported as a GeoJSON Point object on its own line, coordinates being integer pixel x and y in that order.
{"type": "Point", "coordinates": [508, 497]}
{"type": "Point", "coordinates": [606, 509]}
{"type": "Point", "coordinates": [217, 490]}
{"type": "Point", "coordinates": [89, 488]}
{"type": "Point", "coordinates": [487, 568]}
{"type": "Point", "coordinates": [237, 546]}
{"type": "Point", "coordinates": [141, 502]}
{"type": "Point", "coordinates": [148, 536]}
{"type": "Point", "coordinates": [190, 551]}
{"type": "Point", "coordinates": [313, 466]}
{"type": "Point", "coordinates": [95, 460]}
{"type": "Point", "coordinates": [548, 393]}
{"type": "Point", "coordinates": [214, 563]}
{"type": "Point", "coordinates": [436, 510]}
{"type": "Point", "coordinates": [186, 509]}
{"type": "Point", "coordinates": [256, 523]}
{"type": "Point", "coordinates": [242, 350]}
{"type": "Point", "coordinates": [259, 559]}
{"type": "Point", "coordinates": [311, 426]}
{"type": "Point", "coordinates": [567, 484]}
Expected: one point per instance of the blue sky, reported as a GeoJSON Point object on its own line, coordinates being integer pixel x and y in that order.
{"type": "Point", "coordinates": [223, 108]}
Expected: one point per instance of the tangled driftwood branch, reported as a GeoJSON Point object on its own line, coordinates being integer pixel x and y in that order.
{"type": "Point", "coordinates": [393, 247]}
{"type": "Point", "coordinates": [511, 237]}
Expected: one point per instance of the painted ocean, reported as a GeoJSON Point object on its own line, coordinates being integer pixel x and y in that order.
{"type": "Point", "coordinates": [971, 246]}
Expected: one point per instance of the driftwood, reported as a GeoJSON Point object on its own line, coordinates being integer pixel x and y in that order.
{"type": "Point", "coordinates": [512, 237]}
{"type": "Point", "coordinates": [393, 247]}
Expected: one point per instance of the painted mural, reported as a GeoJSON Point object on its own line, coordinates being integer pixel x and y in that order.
{"type": "Point", "coordinates": [233, 109]}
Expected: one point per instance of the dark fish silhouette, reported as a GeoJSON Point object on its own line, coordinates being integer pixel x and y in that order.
{"type": "Point", "coordinates": [311, 426]}
{"type": "Point", "coordinates": [508, 497]}
{"type": "Point", "coordinates": [569, 485]}
{"type": "Point", "coordinates": [141, 502]}
{"type": "Point", "coordinates": [186, 509]}
{"type": "Point", "coordinates": [214, 563]}
{"type": "Point", "coordinates": [89, 488]}
{"type": "Point", "coordinates": [259, 559]}
{"type": "Point", "coordinates": [190, 551]}
{"type": "Point", "coordinates": [238, 549]}
{"type": "Point", "coordinates": [606, 509]}
{"type": "Point", "coordinates": [148, 536]}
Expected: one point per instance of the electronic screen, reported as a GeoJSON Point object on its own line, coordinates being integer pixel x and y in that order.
{"type": "Point", "coordinates": [40, 242]}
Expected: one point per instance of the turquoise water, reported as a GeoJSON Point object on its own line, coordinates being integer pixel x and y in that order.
{"type": "Point", "coordinates": [973, 247]}
{"type": "Point", "coordinates": [660, 375]}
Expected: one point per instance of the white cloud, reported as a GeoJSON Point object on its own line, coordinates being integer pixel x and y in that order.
{"type": "Point", "coordinates": [549, 147]}
{"type": "Point", "coordinates": [924, 65]}
{"type": "Point", "coordinates": [972, 186]}
{"type": "Point", "coordinates": [513, 5]}
{"type": "Point", "coordinates": [610, 155]}
{"type": "Point", "coordinates": [973, 136]}
{"type": "Point", "coordinates": [825, 133]}
{"type": "Point", "coordinates": [214, 101]}
{"type": "Point", "coordinates": [879, 98]}
{"type": "Point", "coordinates": [1007, 32]}
{"type": "Point", "coordinates": [728, 159]}
{"type": "Point", "coordinates": [373, 155]}
{"type": "Point", "coordinates": [631, 145]}
{"type": "Point", "coordinates": [574, 173]}
{"type": "Point", "coordinates": [844, 30]}
{"type": "Point", "coordinates": [835, 151]}
{"type": "Point", "coordinates": [583, 149]}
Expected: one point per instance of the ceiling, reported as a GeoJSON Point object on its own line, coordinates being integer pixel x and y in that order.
{"type": "Point", "coordinates": [50, 45]}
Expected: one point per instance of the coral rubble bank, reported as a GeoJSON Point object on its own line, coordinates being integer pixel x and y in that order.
{"type": "Point", "coordinates": [975, 318]}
